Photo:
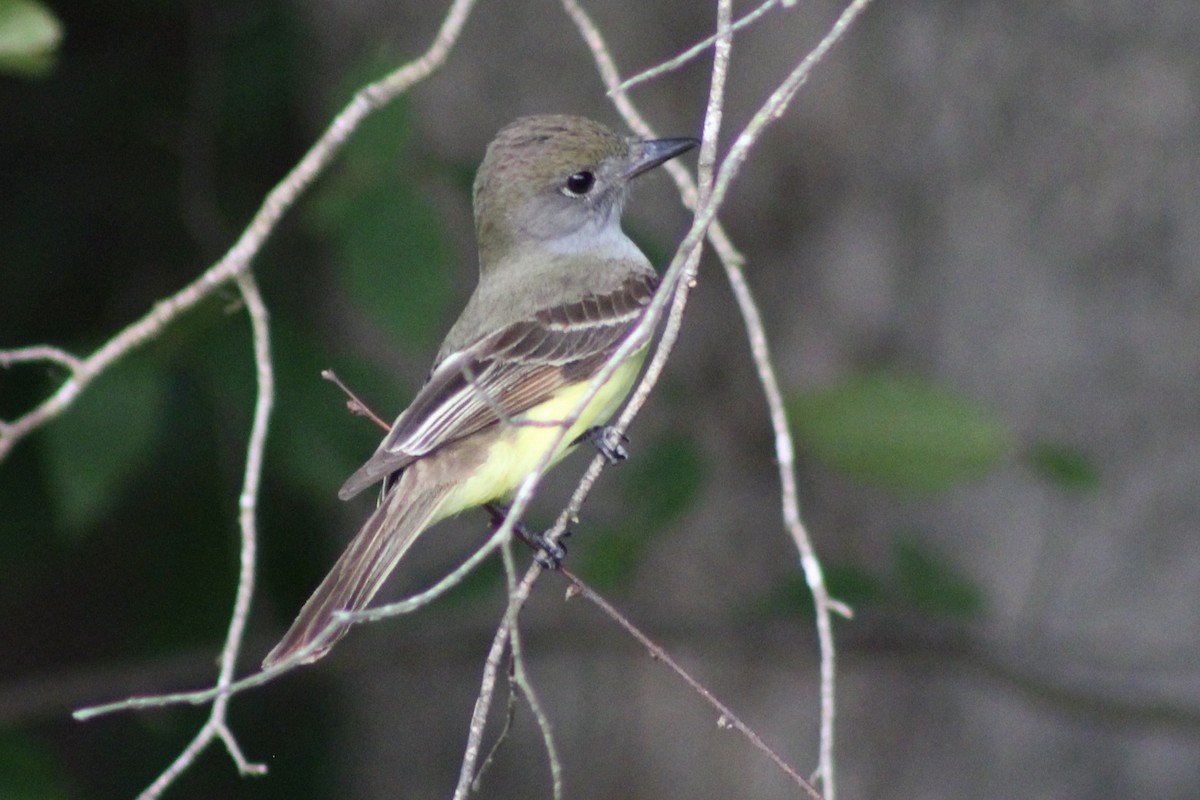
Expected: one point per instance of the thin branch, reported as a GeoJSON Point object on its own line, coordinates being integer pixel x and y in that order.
{"type": "Point", "coordinates": [686, 277]}
{"type": "Point", "coordinates": [523, 682]}
{"type": "Point", "coordinates": [355, 406]}
{"type": "Point", "coordinates": [727, 717]}
{"type": "Point", "coordinates": [510, 715]}
{"type": "Point", "coordinates": [251, 483]}
{"type": "Point", "coordinates": [724, 33]}
{"type": "Point", "coordinates": [216, 726]}
{"type": "Point", "coordinates": [680, 276]}
{"type": "Point", "coordinates": [487, 684]}
{"type": "Point", "coordinates": [673, 289]}
{"type": "Point", "coordinates": [716, 99]}
{"type": "Point", "coordinates": [248, 513]}
{"type": "Point", "coordinates": [39, 353]}
{"type": "Point", "coordinates": [770, 111]}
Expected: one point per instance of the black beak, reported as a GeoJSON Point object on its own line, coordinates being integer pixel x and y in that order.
{"type": "Point", "coordinates": [649, 153]}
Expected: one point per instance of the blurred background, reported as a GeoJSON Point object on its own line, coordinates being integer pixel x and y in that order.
{"type": "Point", "coordinates": [976, 241]}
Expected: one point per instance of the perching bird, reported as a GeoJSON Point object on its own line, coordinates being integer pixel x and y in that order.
{"type": "Point", "coordinates": [560, 289]}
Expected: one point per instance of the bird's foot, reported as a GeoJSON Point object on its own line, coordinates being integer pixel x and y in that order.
{"type": "Point", "coordinates": [606, 439]}
{"type": "Point", "coordinates": [548, 554]}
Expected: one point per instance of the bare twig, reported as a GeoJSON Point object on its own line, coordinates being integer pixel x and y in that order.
{"type": "Point", "coordinates": [770, 111]}
{"type": "Point", "coordinates": [523, 682]}
{"type": "Point", "coordinates": [723, 34]}
{"type": "Point", "coordinates": [672, 291]}
{"type": "Point", "coordinates": [487, 685]}
{"type": "Point", "coordinates": [680, 275]}
{"type": "Point", "coordinates": [216, 726]}
{"type": "Point", "coordinates": [727, 717]}
{"type": "Point", "coordinates": [252, 480]}
{"type": "Point", "coordinates": [39, 353]}
{"type": "Point", "coordinates": [510, 715]}
{"type": "Point", "coordinates": [356, 406]}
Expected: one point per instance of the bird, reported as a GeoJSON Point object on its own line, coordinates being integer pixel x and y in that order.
{"type": "Point", "coordinates": [561, 288]}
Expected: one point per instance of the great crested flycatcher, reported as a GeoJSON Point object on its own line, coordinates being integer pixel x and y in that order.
{"type": "Point", "coordinates": [560, 289]}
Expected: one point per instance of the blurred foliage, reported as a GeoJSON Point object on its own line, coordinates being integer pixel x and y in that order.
{"type": "Point", "coordinates": [104, 440]}
{"type": "Point", "coordinates": [658, 485]}
{"type": "Point", "coordinates": [929, 585]}
{"type": "Point", "coordinates": [29, 38]}
{"type": "Point", "coordinates": [898, 432]}
{"type": "Point", "coordinates": [912, 436]}
{"type": "Point", "coordinates": [29, 770]}
{"type": "Point", "coordinates": [391, 251]}
{"type": "Point", "coordinates": [1064, 467]}
{"type": "Point", "coordinates": [916, 581]}
{"type": "Point", "coordinates": [483, 584]}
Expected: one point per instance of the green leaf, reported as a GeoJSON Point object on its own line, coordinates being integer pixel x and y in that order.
{"type": "Point", "coordinates": [103, 440]}
{"type": "Point", "coordinates": [29, 37]}
{"type": "Point", "coordinates": [899, 432]}
{"type": "Point", "coordinates": [1065, 467]}
{"type": "Point", "coordinates": [930, 585]}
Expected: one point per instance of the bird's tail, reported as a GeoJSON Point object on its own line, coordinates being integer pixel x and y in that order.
{"type": "Point", "coordinates": [405, 512]}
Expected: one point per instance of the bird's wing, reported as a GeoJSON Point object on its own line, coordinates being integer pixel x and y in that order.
{"type": "Point", "coordinates": [508, 372]}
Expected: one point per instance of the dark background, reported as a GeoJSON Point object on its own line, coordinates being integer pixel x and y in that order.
{"type": "Point", "coordinates": [975, 238]}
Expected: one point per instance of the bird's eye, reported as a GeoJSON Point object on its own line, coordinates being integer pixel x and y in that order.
{"type": "Point", "coordinates": [580, 183]}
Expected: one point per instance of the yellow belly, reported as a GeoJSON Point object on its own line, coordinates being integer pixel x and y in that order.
{"type": "Point", "coordinates": [520, 447]}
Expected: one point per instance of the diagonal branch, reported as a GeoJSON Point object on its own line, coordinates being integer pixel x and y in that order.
{"type": "Point", "coordinates": [237, 260]}
{"type": "Point", "coordinates": [724, 33]}
{"type": "Point", "coordinates": [727, 718]}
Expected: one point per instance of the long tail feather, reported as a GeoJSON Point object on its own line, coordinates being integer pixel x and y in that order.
{"type": "Point", "coordinates": [359, 573]}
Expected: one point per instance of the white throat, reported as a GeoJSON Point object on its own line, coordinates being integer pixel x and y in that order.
{"type": "Point", "coordinates": [607, 241]}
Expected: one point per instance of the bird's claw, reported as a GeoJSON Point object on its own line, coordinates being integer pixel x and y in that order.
{"type": "Point", "coordinates": [607, 440]}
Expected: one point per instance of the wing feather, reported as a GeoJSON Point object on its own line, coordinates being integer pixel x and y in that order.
{"type": "Point", "coordinates": [507, 373]}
